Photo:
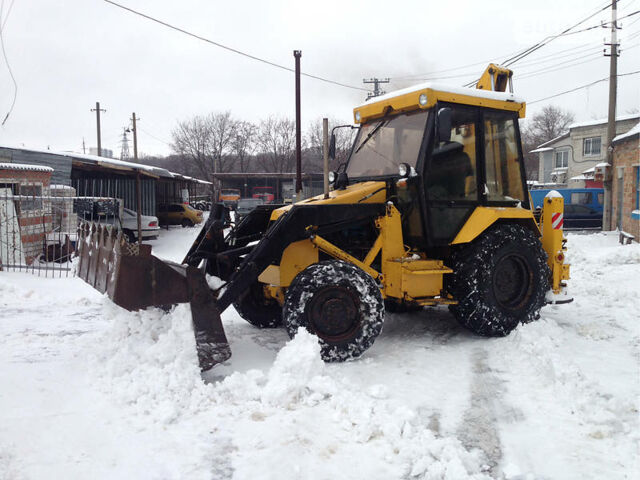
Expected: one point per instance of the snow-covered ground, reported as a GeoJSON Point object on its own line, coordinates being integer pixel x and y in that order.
{"type": "Point", "coordinates": [88, 390]}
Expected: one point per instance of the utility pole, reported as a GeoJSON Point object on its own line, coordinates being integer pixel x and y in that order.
{"type": "Point", "coordinates": [98, 110]}
{"type": "Point", "coordinates": [377, 91]}
{"type": "Point", "coordinates": [135, 137]}
{"type": "Point", "coordinates": [297, 54]}
{"type": "Point", "coordinates": [325, 155]}
{"type": "Point", "coordinates": [138, 182]}
{"type": "Point", "coordinates": [607, 220]}
{"type": "Point", "coordinates": [84, 149]}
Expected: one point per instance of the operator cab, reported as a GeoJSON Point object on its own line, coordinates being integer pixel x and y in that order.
{"type": "Point", "coordinates": [441, 158]}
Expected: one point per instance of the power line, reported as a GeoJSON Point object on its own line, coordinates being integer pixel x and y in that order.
{"type": "Point", "coordinates": [581, 87]}
{"type": "Point", "coordinates": [231, 49]}
{"type": "Point", "coordinates": [549, 39]}
{"type": "Point", "coordinates": [153, 136]}
{"type": "Point", "coordinates": [6, 60]}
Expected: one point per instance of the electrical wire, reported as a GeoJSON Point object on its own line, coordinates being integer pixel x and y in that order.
{"type": "Point", "coordinates": [6, 17]}
{"type": "Point", "coordinates": [546, 40]}
{"type": "Point", "coordinates": [6, 60]}
{"type": "Point", "coordinates": [153, 136]}
{"type": "Point", "coordinates": [231, 49]}
{"type": "Point", "coordinates": [581, 87]}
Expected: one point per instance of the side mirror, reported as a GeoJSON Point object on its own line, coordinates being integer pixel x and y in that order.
{"type": "Point", "coordinates": [332, 147]}
{"type": "Point", "coordinates": [443, 124]}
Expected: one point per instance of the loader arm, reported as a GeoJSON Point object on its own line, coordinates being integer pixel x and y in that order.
{"type": "Point", "coordinates": [297, 224]}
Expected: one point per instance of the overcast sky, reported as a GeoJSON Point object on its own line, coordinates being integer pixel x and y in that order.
{"type": "Point", "coordinates": [67, 55]}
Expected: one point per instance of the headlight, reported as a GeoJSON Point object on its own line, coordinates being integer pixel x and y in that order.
{"type": "Point", "coordinates": [358, 116]}
{"type": "Point", "coordinates": [332, 177]}
{"type": "Point", "coordinates": [422, 99]}
{"type": "Point", "coordinates": [404, 169]}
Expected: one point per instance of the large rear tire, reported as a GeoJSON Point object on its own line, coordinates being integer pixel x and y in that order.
{"type": "Point", "coordinates": [258, 310]}
{"type": "Point", "coordinates": [339, 303]}
{"type": "Point", "coordinates": [499, 280]}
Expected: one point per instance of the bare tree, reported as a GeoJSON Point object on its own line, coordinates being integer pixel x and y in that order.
{"type": "Point", "coordinates": [191, 141]}
{"type": "Point", "coordinates": [550, 123]}
{"type": "Point", "coordinates": [221, 128]}
{"type": "Point", "coordinates": [243, 145]}
{"type": "Point", "coordinates": [276, 143]}
{"type": "Point", "coordinates": [344, 141]}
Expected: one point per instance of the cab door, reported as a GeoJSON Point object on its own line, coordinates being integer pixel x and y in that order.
{"type": "Point", "coordinates": [451, 172]}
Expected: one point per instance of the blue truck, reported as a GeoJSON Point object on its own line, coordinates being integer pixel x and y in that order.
{"type": "Point", "coordinates": [583, 207]}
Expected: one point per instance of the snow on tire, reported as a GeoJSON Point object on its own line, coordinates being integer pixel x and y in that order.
{"type": "Point", "coordinates": [340, 304]}
{"type": "Point", "coordinates": [499, 280]}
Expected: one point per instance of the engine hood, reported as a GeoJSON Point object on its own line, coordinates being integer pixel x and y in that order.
{"type": "Point", "coordinates": [365, 192]}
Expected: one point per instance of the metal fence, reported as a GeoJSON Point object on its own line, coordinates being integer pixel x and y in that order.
{"type": "Point", "coordinates": [39, 226]}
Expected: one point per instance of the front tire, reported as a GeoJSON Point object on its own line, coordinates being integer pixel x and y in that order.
{"type": "Point", "coordinates": [340, 304]}
{"type": "Point", "coordinates": [258, 310]}
{"type": "Point", "coordinates": [499, 280]}
{"type": "Point", "coordinates": [186, 223]}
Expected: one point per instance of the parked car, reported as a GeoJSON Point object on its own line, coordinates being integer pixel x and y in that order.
{"type": "Point", "coordinates": [581, 217]}
{"type": "Point", "coordinates": [149, 223]}
{"type": "Point", "coordinates": [245, 205]}
{"type": "Point", "coordinates": [590, 197]}
{"type": "Point", "coordinates": [179, 214]}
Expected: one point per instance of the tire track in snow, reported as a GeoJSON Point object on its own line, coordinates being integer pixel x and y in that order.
{"type": "Point", "coordinates": [479, 428]}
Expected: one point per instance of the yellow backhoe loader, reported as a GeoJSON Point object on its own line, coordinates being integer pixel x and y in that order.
{"type": "Point", "coordinates": [431, 208]}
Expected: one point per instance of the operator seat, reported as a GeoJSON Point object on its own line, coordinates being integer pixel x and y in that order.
{"type": "Point", "coordinates": [448, 172]}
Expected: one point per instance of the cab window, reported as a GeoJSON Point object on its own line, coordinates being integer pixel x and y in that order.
{"type": "Point", "coordinates": [381, 146]}
{"type": "Point", "coordinates": [502, 158]}
{"type": "Point", "coordinates": [452, 172]}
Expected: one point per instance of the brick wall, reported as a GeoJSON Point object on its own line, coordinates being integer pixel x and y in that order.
{"type": "Point", "coordinates": [626, 159]}
{"type": "Point", "coordinates": [34, 223]}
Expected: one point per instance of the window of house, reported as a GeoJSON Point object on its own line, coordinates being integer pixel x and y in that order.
{"type": "Point", "coordinates": [562, 159]}
{"type": "Point", "coordinates": [591, 146]}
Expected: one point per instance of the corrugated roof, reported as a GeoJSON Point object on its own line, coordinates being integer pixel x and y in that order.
{"type": "Point", "coordinates": [110, 162]}
{"type": "Point", "coordinates": [25, 166]}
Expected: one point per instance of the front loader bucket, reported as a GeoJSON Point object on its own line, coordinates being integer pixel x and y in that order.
{"type": "Point", "coordinates": [134, 279]}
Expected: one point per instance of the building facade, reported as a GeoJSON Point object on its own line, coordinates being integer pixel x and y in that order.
{"type": "Point", "coordinates": [626, 182]}
{"type": "Point", "coordinates": [569, 160]}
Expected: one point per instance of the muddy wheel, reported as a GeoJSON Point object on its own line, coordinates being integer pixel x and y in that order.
{"type": "Point", "coordinates": [258, 310]}
{"type": "Point", "coordinates": [186, 223]}
{"type": "Point", "coordinates": [340, 304]}
{"type": "Point", "coordinates": [499, 280]}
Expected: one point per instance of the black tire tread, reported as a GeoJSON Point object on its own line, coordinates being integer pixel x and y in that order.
{"type": "Point", "coordinates": [476, 310]}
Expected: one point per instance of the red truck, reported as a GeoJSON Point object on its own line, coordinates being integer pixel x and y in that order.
{"type": "Point", "coordinates": [264, 193]}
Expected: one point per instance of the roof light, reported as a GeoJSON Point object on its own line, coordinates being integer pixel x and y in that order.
{"type": "Point", "coordinates": [357, 116]}
{"type": "Point", "coordinates": [422, 99]}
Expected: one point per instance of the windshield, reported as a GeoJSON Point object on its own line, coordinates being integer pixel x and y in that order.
{"type": "Point", "coordinates": [383, 145]}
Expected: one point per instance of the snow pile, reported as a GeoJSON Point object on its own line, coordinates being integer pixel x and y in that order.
{"type": "Point", "coordinates": [147, 359]}
{"type": "Point", "coordinates": [292, 418]}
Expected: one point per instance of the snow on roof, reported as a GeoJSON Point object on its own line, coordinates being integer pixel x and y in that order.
{"type": "Point", "coordinates": [634, 131]}
{"type": "Point", "coordinates": [25, 166]}
{"type": "Point", "coordinates": [107, 162]}
{"type": "Point", "coordinates": [538, 150]}
{"type": "Point", "coordinates": [600, 121]}
{"type": "Point", "coordinates": [559, 137]}
{"type": "Point", "coordinates": [474, 92]}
